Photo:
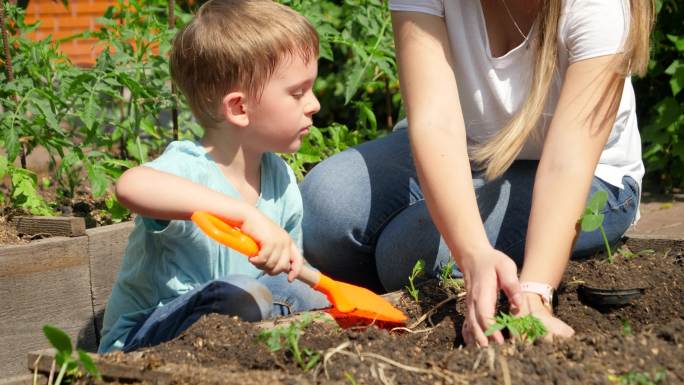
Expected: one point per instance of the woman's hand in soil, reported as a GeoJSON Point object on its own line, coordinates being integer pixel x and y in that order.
{"type": "Point", "coordinates": [277, 252]}
{"type": "Point", "coordinates": [485, 275]}
{"type": "Point", "coordinates": [532, 304]}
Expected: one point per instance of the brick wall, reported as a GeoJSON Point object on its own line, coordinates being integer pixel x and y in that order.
{"type": "Point", "coordinates": [61, 21]}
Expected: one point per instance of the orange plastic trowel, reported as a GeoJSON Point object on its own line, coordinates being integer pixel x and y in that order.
{"type": "Point", "coordinates": [348, 300]}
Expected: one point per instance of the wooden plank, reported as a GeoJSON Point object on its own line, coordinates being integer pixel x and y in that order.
{"type": "Point", "coordinates": [106, 247]}
{"type": "Point", "coordinates": [54, 226]}
{"type": "Point", "coordinates": [122, 373]}
{"type": "Point", "coordinates": [26, 379]}
{"type": "Point", "coordinates": [43, 255]}
{"type": "Point", "coordinates": [45, 282]}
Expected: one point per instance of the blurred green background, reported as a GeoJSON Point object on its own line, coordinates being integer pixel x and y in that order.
{"type": "Point", "coordinates": [96, 122]}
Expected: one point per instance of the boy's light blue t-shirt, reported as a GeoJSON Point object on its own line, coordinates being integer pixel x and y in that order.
{"type": "Point", "coordinates": [165, 259]}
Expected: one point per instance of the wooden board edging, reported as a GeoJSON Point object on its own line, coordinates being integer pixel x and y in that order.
{"type": "Point", "coordinates": [52, 226]}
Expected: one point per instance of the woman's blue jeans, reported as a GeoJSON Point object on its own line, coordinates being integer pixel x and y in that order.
{"type": "Point", "coordinates": [366, 222]}
{"type": "Point", "coordinates": [251, 299]}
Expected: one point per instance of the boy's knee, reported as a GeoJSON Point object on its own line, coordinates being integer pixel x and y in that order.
{"type": "Point", "coordinates": [242, 296]}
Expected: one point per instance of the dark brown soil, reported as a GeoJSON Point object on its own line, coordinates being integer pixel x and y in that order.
{"type": "Point", "coordinates": [9, 235]}
{"type": "Point", "coordinates": [644, 338]}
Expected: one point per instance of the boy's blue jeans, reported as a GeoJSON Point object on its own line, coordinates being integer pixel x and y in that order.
{"type": "Point", "coordinates": [366, 222]}
{"type": "Point", "coordinates": [251, 299]}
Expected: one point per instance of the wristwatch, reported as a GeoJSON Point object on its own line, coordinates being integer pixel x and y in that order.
{"type": "Point", "coordinates": [544, 290]}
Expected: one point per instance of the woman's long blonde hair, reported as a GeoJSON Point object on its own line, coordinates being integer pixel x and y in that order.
{"type": "Point", "coordinates": [497, 154]}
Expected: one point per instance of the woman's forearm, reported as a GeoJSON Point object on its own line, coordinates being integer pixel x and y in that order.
{"type": "Point", "coordinates": [558, 200]}
{"type": "Point", "coordinates": [582, 122]}
{"type": "Point", "coordinates": [161, 195]}
{"type": "Point", "coordinates": [446, 182]}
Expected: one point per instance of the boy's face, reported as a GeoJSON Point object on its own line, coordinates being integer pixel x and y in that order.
{"type": "Point", "coordinates": [282, 116]}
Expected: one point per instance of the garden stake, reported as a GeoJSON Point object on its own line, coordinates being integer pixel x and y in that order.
{"type": "Point", "coordinates": [174, 109]}
{"type": "Point", "coordinates": [10, 71]}
{"type": "Point", "coordinates": [347, 300]}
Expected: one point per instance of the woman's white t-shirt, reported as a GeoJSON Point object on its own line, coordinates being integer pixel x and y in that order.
{"type": "Point", "coordinates": [492, 89]}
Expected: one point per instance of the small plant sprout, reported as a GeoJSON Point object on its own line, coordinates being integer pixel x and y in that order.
{"type": "Point", "coordinates": [288, 336]}
{"type": "Point", "coordinates": [626, 328]}
{"type": "Point", "coordinates": [528, 327]}
{"type": "Point", "coordinates": [68, 365]}
{"type": "Point", "coordinates": [350, 378]}
{"type": "Point", "coordinates": [592, 218]}
{"type": "Point", "coordinates": [446, 279]}
{"type": "Point", "coordinates": [626, 253]}
{"type": "Point", "coordinates": [418, 270]}
{"type": "Point", "coordinates": [639, 378]}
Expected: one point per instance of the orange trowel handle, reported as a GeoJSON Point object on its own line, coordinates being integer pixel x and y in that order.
{"type": "Point", "coordinates": [232, 237]}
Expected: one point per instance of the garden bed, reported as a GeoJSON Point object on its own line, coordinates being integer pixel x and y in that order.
{"type": "Point", "coordinates": [640, 341]}
{"type": "Point", "coordinates": [62, 280]}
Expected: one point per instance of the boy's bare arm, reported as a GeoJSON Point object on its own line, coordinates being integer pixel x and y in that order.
{"type": "Point", "coordinates": [160, 195]}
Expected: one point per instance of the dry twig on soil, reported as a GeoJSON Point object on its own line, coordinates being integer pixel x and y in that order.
{"type": "Point", "coordinates": [448, 376]}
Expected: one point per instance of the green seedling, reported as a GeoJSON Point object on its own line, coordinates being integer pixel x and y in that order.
{"type": "Point", "coordinates": [625, 252]}
{"type": "Point", "coordinates": [639, 378]}
{"type": "Point", "coordinates": [350, 378]}
{"type": "Point", "coordinates": [288, 336]}
{"type": "Point", "coordinates": [626, 328]}
{"type": "Point", "coordinates": [445, 278]}
{"type": "Point", "coordinates": [592, 218]}
{"type": "Point", "coordinates": [68, 365]}
{"type": "Point", "coordinates": [418, 270]}
{"type": "Point", "coordinates": [528, 327]}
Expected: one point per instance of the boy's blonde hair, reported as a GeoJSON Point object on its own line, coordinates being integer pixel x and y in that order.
{"type": "Point", "coordinates": [236, 44]}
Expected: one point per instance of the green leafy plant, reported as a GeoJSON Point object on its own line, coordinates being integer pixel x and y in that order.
{"type": "Point", "coordinates": [288, 336]}
{"type": "Point", "coordinates": [528, 327]}
{"type": "Point", "coordinates": [418, 270]}
{"type": "Point", "coordinates": [661, 100]}
{"type": "Point", "coordinates": [446, 279]}
{"type": "Point", "coordinates": [639, 378]}
{"type": "Point", "coordinates": [68, 365]}
{"type": "Point", "coordinates": [24, 189]}
{"type": "Point", "coordinates": [592, 218]}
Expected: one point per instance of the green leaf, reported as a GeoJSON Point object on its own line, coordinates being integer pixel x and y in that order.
{"type": "Point", "coordinates": [677, 81]}
{"type": "Point", "coordinates": [58, 339]}
{"type": "Point", "coordinates": [354, 81]}
{"type": "Point", "coordinates": [88, 363]}
{"type": "Point", "coordinates": [4, 166]}
{"type": "Point", "coordinates": [597, 201]}
{"type": "Point", "coordinates": [678, 41]}
{"type": "Point", "coordinates": [591, 222]}
{"type": "Point", "coordinates": [494, 328]}
{"type": "Point", "coordinates": [98, 180]}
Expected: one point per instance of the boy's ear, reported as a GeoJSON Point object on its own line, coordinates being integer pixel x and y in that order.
{"type": "Point", "coordinates": [234, 109]}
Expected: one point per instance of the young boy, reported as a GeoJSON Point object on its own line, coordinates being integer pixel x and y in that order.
{"type": "Point", "coordinates": [247, 68]}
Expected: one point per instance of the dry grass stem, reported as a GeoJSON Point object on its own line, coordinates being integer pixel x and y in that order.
{"type": "Point", "coordinates": [52, 373]}
{"type": "Point", "coordinates": [405, 329]}
{"type": "Point", "coordinates": [506, 373]}
{"type": "Point", "coordinates": [429, 312]}
{"type": "Point", "coordinates": [446, 375]}
{"type": "Point", "coordinates": [35, 369]}
{"type": "Point", "coordinates": [330, 353]}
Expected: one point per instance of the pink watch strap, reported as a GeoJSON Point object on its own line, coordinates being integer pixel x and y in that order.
{"type": "Point", "coordinates": [544, 290]}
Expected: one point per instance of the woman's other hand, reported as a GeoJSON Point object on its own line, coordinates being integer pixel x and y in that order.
{"type": "Point", "coordinates": [532, 304]}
